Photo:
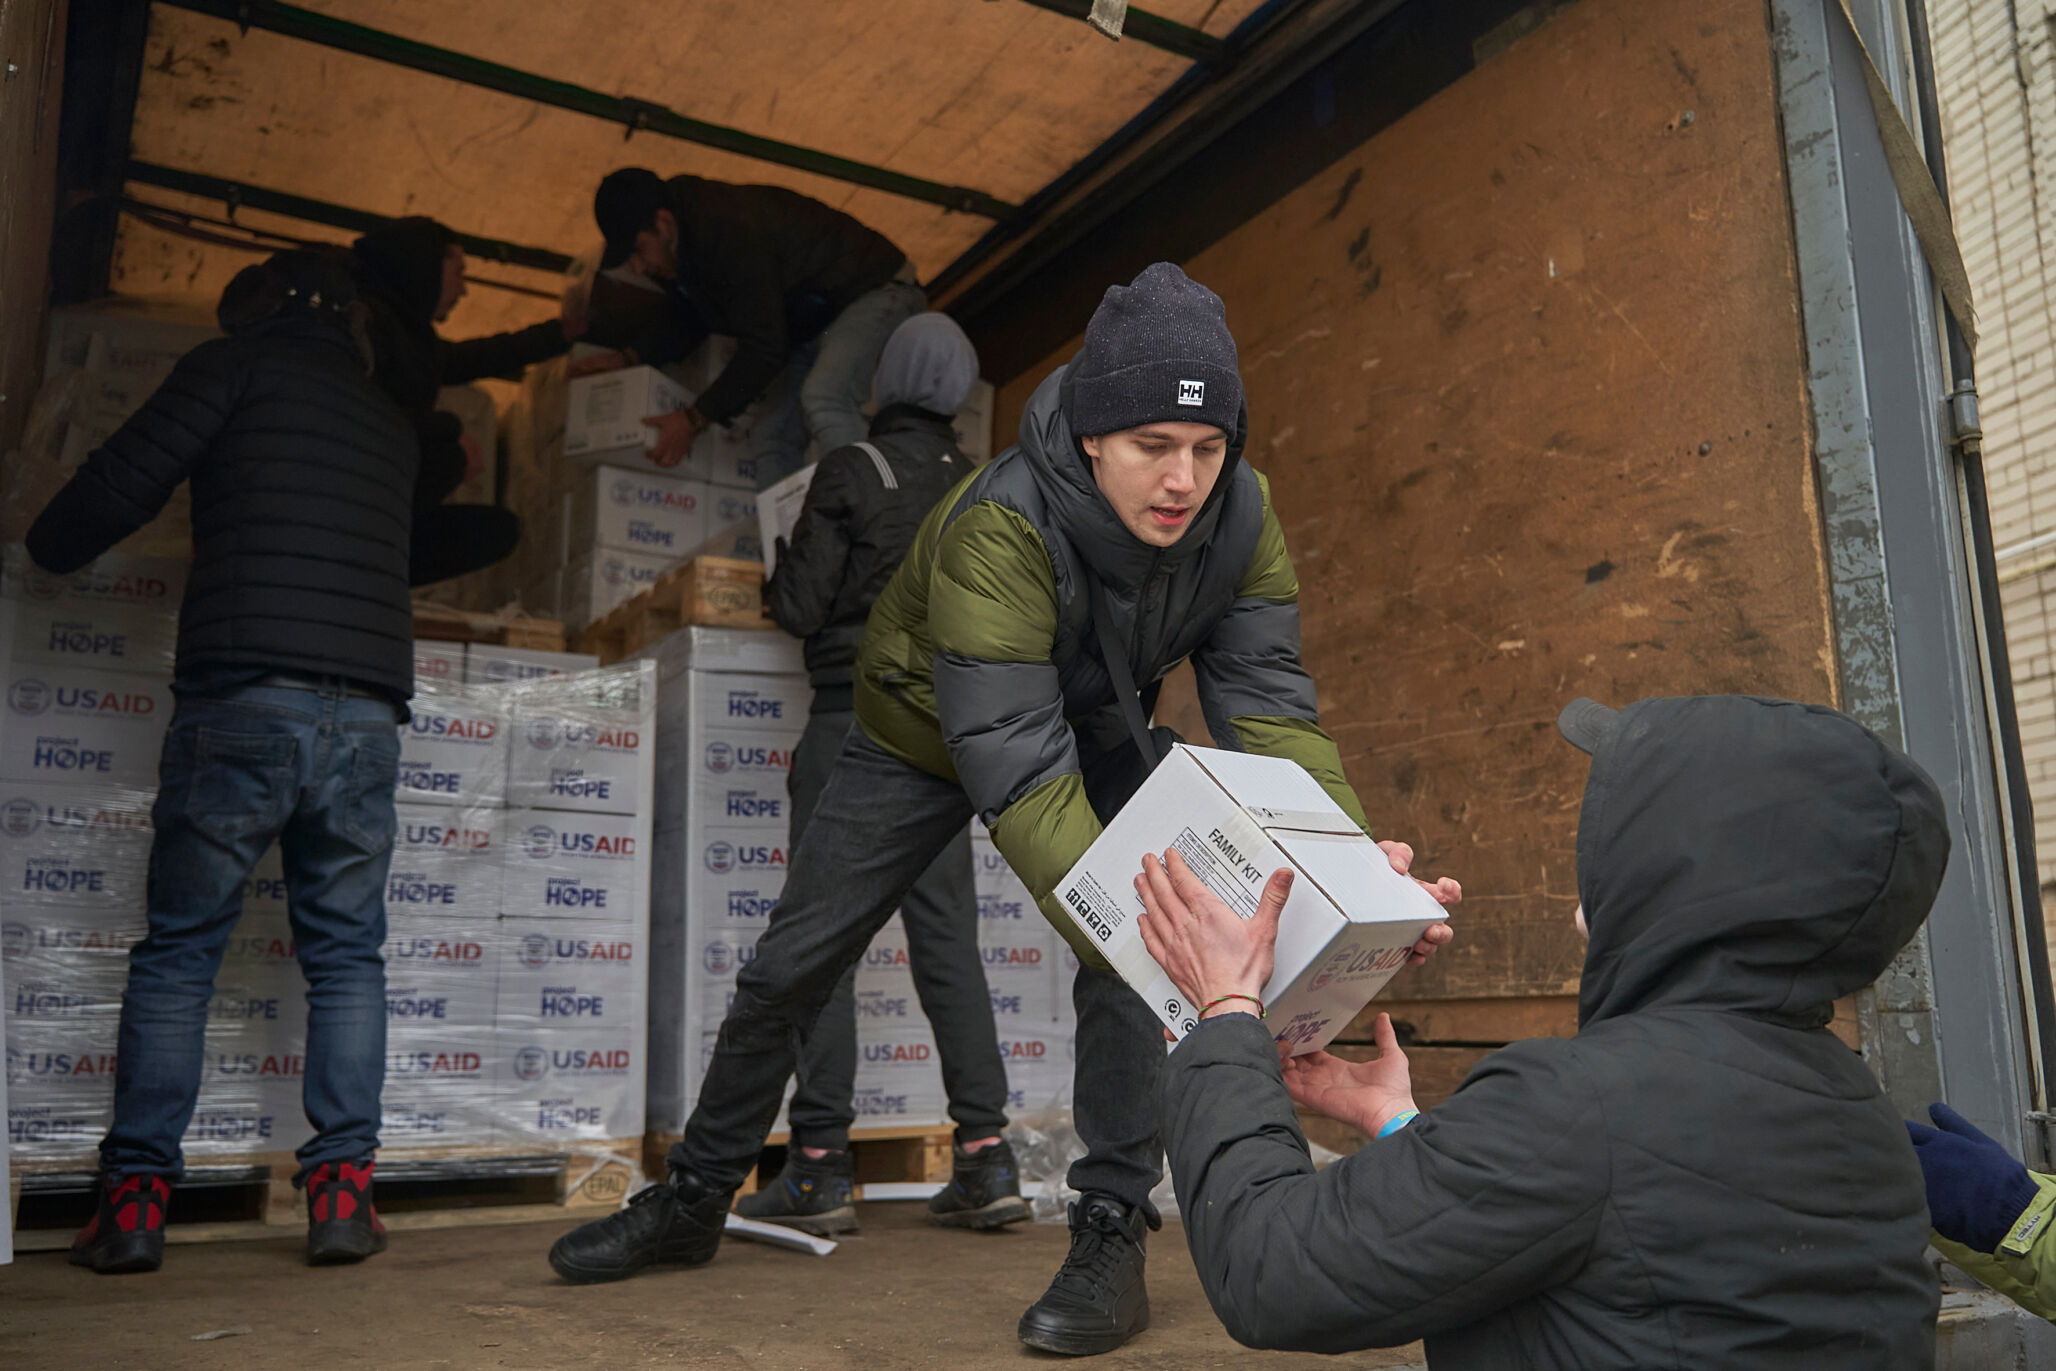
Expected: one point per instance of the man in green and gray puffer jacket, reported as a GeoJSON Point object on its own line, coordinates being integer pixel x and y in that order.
{"type": "Point", "coordinates": [981, 688]}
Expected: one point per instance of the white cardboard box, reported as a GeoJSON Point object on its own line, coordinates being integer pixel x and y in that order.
{"type": "Point", "coordinates": [581, 743]}
{"type": "Point", "coordinates": [99, 637]}
{"type": "Point", "coordinates": [77, 846]}
{"type": "Point", "coordinates": [453, 751]}
{"type": "Point", "coordinates": [154, 585]}
{"type": "Point", "coordinates": [1236, 818]}
{"type": "Point", "coordinates": [446, 861]}
{"type": "Point", "coordinates": [598, 584]}
{"type": "Point", "coordinates": [573, 1084]}
{"type": "Point", "coordinates": [561, 865]}
{"type": "Point", "coordinates": [604, 413]}
{"type": "Point", "coordinates": [639, 511]}
{"type": "Point", "coordinates": [82, 724]}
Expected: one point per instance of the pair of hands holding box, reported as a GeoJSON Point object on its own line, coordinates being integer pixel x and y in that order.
{"type": "Point", "coordinates": [1222, 962]}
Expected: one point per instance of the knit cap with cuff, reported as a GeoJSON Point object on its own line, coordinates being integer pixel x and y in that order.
{"type": "Point", "coordinates": [1157, 350]}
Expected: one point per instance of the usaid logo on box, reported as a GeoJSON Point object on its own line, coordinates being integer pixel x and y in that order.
{"type": "Point", "coordinates": [435, 951]}
{"type": "Point", "coordinates": [31, 935]}
{"type": "Point", "coordinates": [582, 1086]}
{"type": "Point", "coordinates": [69, 1061]}
{"type": "Point", "coordinates": [112, 581]}
{"type": "Point", "coordinates": [746, 759]}
{"type": "Point", "coordinates": [256, 1068]}
{"type": "Point", "coordinates": [94, 726]}
{"type": "Point", "coordinates": [745, 856]}
{"type": "Point", "coordinates": [553, 951]}
{"type": "Point", "coordinates": [449, 1063]}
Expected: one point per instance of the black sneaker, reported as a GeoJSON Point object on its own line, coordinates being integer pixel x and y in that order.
{"type": "Point", "coordinates": [677, 1220]}
{"type": "Point", "coordinates": [127, 1230]}
{"type": "Point", "coordinates": [1097, 1302]}
{"type": "Point", "coordinates": [984, 1190]}
{"type": "Point", "coordinates": [813, 1194]}
{"type": "Point", "coordinates": [342, 1222]}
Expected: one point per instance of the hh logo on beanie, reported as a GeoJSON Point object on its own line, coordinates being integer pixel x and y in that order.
{"type": "Point", "coordinates": [1192, 394]}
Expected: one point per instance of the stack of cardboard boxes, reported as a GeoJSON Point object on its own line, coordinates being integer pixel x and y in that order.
{"type": "Point", "coordinates": [517, 900]}
{"type": "Point", "coordinates": [731, 707]}
{"type": "Point", "coordinates": [602, 521]}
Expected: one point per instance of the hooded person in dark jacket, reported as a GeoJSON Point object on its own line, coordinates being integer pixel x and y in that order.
{"type": "Point", "coordinates": [411, 275]}
{"type": "Point", "coordinates": [864, 506]}
{"type": "Point", "coordinates": [1703, 1178]}
{"type": "Point", "coordinates": [809, 295]}
{"type": "Point", "coordinates": [295, 659]}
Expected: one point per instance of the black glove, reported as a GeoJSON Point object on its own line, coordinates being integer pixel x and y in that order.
{"type": "Point", "coordinates": [1976, 1190]}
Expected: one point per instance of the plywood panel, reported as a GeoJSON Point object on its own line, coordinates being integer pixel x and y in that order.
{"type": "Point", "coordinates": [1527, 378]}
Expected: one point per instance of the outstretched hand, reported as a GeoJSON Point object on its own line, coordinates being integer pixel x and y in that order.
{"type": "Point", "coordinates": [1364, 1095]}
{"type": "Point", "coordinates": [1209, 951]}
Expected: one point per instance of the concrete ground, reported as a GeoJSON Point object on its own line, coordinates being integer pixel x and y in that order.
{"type": "Point", "coordinates": [901, 1294]}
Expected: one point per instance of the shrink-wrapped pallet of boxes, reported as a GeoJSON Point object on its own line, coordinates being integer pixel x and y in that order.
{"type": "Point", "coordinates": [517, 907]}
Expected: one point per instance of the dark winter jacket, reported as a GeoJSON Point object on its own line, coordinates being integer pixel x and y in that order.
{"type": "Point", "coordinates": [1704, 1178]}
{"type": "Point", "coordinates": [860, 518]}
{"type": "Point", "coordinates": [301, 469]}
{"type": "Point", "coordinates": [400, 280]}
{"type": "Point", "coordinates": [766, 266]}
{"type": "Point", "coordinates": [980, 664]}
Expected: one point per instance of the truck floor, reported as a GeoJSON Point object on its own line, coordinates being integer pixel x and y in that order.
{"type": "Point", "coordinates": [900, 1294]}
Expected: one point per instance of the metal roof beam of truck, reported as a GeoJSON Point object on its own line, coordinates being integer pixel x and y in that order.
{"type": "Point", "coordinates": [636, 114]}
{"type": "Point", "coordinates": [1152, 29]}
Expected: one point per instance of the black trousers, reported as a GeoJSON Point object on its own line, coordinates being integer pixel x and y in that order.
{"type": "Point", "coordinates": [878, 826]}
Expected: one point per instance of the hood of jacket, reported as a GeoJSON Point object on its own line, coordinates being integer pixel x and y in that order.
{"type": "Point", "coordinates": [403, 261]}
{"type": "Point", "coordinates": [1063, 475]}
{"type": "Point", "coordinates": [1750, 855]}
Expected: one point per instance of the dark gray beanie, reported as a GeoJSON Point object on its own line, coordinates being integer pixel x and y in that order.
{"type": "Point", "coordinates": [1156, 350]}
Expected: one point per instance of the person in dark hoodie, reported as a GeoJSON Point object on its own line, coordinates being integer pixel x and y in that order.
{"type": "Point", "coordinates": [864, 506]}
{"type": "Point", "coordinates": [984, 686]}
{"type": "Point", "coordinates": [809, 295]}
{"type": "Point", "coordinates": [295, 662]}
{"type": "Point", "coordinates": [1703, 1178]}
{"type": "Point", "coordinates": [411, 275]}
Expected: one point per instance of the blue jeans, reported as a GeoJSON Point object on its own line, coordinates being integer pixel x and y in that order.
{"type": "Point", "coordinates": [822, 392]}
{"type": "Point", "coordinates": [241, 768]}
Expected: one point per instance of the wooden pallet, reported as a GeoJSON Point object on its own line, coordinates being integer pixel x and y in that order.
{"type": "Point", "coordinates": [442, 624]}
{"type": "Point", "coordinates": [419, 1189]}
{"type": "Point", "coordinates": [884, 1154]}
{"type": "Point", "coordinates": [712, 592]}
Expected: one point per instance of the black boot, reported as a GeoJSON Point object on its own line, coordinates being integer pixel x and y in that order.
{"type": "Point", "coordinates": [1097, 1302]}
{"type": "Point", "coordinates": [813, 1194]}
{"type": "Point", "coordinates": [984, 1190]}
{"type": "Point", "coordinates": [127, 1231]}
{"type": "Point", "coordinates": [677, 1220]}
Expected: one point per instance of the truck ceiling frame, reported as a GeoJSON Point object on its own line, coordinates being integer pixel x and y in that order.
{"type": "Point", "coordinates": [633, 113]}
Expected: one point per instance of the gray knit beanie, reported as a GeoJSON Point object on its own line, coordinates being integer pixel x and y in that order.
{"type": "Point", "coordinates": [1156, 350]}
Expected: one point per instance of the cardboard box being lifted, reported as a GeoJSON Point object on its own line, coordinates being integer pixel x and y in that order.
{"type": "Point", "coordinates": [1235, 818]}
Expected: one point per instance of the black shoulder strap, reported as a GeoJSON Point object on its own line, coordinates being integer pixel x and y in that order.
{"type": "Point", "coordinates": [1119, 668]}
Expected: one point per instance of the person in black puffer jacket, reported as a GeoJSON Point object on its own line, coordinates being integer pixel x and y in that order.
{"type": "Point", "coordinates": [410, 273]}
{"type": "Point", "coordinates": [864, 506]}
{"type": "Point", "coordinates": [1703, 1179]}
{"type": "Point", "coordinates": [295, 662]}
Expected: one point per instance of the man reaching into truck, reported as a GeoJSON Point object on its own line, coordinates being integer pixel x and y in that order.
{"type": "Point", "coordinates": [984, 686]}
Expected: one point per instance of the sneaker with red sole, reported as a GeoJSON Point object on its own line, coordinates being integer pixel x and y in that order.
{"type": "Point", "coordinates": [342, 1223]}
{"type": "Point", "coordinates": [127, 1231]}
